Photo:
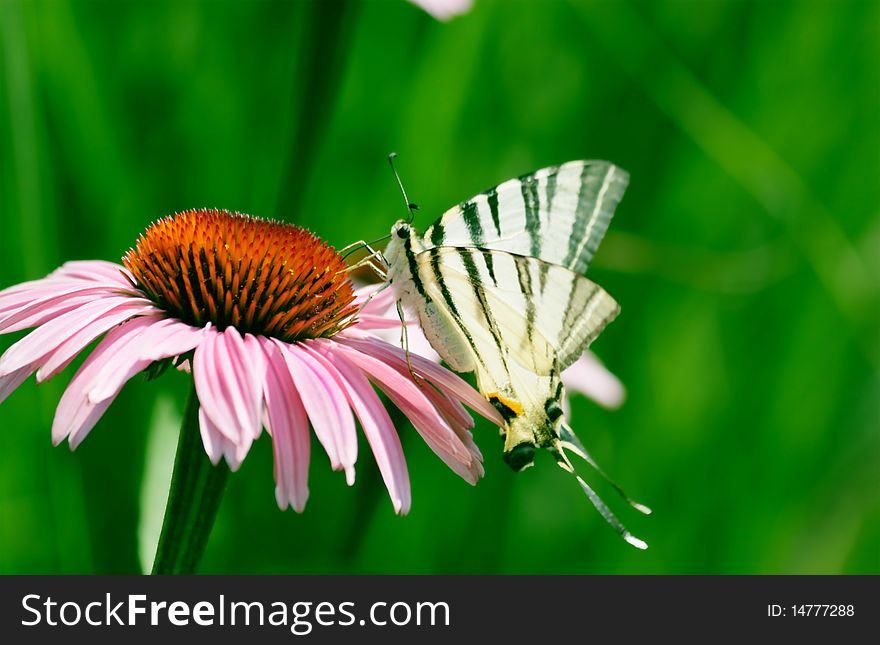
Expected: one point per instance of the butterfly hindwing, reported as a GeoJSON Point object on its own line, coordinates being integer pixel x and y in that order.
{"type": "Point", "coordinates": [557, 214]}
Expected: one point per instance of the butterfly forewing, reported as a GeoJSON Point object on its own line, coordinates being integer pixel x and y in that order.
{"type": "Point", "coordinates": [465, 283]}
{"type": "Point", "coordinates": [515, 307]}
{"type": "Point", "coordinates": [557, 214]}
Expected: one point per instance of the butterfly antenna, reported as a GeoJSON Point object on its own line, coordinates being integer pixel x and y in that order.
{"type": "Point", "coordinates": [564, 463]}
{"type": "Point", "coordinates": [411, 207]}
{"type": "Point", "coordinates": [568, 440]}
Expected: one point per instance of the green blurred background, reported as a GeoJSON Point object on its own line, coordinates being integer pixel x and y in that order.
{"type": "Point", "coordinates": [745, 255]}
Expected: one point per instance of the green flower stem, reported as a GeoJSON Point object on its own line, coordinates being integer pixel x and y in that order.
{"type": "Point", "coordinates": [196, 490]}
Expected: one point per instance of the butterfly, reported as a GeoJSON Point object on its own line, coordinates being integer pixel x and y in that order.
{"type": "Point", "coordinates": [497, 285]}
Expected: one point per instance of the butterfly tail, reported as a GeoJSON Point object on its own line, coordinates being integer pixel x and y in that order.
{"type": "Point", "coordinates": [569, 440]}
{"type": "Point", "coordinates": [563, 461]}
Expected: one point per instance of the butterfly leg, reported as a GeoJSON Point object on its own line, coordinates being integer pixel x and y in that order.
{"type": "Point", "coordinates": [368, 262]}
{"type": "Point", "coordinates": [354, 245]}
{"type": "Point", "coordinates": [404, 342]}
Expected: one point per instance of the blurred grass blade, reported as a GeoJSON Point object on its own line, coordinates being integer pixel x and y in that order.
{"type": "Point", "coordinates": [158, 464]}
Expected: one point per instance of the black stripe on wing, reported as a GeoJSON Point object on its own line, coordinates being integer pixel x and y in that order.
{"type": "Point", "coordinates": [477, 286]}
{"type": "Point", "coordinates": [532, 206]}
{"type": "Point", "coordinates": [437, 274]}
{"type": "Point", "coordinates": [413, 266]}
{"type": "Point", "coordinates": [492, 200]}
{"type": "Point", "coordinates": [472, 220]}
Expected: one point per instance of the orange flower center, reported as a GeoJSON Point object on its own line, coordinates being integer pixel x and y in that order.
{"type": "Point", "coordinates": [235, 270]}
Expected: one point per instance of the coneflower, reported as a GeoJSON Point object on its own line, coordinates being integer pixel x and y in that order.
{"type": "Point", "coordinates": [264, 316]}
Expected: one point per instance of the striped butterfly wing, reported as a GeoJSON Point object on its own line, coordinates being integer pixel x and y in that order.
{"type": "Point", "coordinates": [510, 307]}
{"type": "Point", "coordinates": [558, 214]}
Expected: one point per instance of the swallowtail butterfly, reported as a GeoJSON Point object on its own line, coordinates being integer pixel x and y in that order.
{"type": "Point", "coordinates": [498, 286]}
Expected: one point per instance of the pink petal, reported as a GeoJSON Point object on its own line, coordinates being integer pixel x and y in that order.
{"type": "Point", "coordinates": [378, 429]}
{"type": "Point", "coordinates": [69, 349]}
{"type": "Point", "coordinates": [152, 340]}
{"type": "Point", "coordinates": [255, 359]}
{"type": "Point", "coordinates": [219, 447]}
{"type": "Point", "coordinates": [444, 9]}
{"type": "Point", "coordinates": [212, 438]}
{"type": "Point", "coordinates": [588, 376]}
{"type": "Point", "coordinates": [169, 338]}
{"type": "Point", "coordinates": [76, 414]}
{"type": "Point", "coordinates": [289, 425]}
{"type": "Point", "coordinates": [50, 336]}
{"type": "Point", "coordinates": [224, 386]}
{"type": "Point", "coordinates": [441, 377]}
{"type": "Point", "coordinates": [11, 381]}
{"type": "Point", "coordinates": [417, 407]}
{"type": "Point", "coordinates": [452, 408]}
{"type": "Point", "coordinates": [390, 333]}
{"type": "Point", "coordinates": [40, 306]}
{"type": "Point", "coordinates": [20, 294]}
{"type": "Point", "coordinates": [108, 273]}
{"type": "Point", "coordinates": [380, 298]}
{"type": "Point", "coordinates": [460, 422]}
{"type": "Point", "coordinates": [234, 453]}
{"type": "Point", "coordinates": [371, 321]}
{"type": "Point", "coordinates": [324, 398]}
{"type": "Point", "coordinates": [71, 278]}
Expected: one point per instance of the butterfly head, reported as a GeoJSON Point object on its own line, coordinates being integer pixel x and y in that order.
{"type": "Point", "coordinates": [402, 246]}
{"type": "Point", "coordinates": [520, 456]}
{"type": "Point", "coordinates": [401, 230]}
{"type": "Point", "coordinates": [402, 241]}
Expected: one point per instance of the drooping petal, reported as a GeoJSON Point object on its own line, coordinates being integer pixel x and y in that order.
{"type": "Point", "coordinates": [441, 377]}
{"type": "Point", "coordinates": [417, 406]}
{"type": "Point", "coordinates": [48, 337]}
{"type": "Point", "coordinates": [452, 408]}
{"type": "Point", "coordinates": [460, 422]}
{"type": "Point", "coordinates": [255, 357]}
{"type": "Point", "coordinates": [150, 341]}
{"type": "Point", "coordinates": [289, 426]}
{"type": "Point", "coordinates": [378, 429]}
{"type": "Point", "coordinates": [77, 414]}
{"type": "Point", "coordinates": [34, 312]}
{"type": "Point", "coordinates": [591, 378]}
{"type": "Point", "coordinates": [168, 338]}
{"type": "Point", "coordinates": [324, 398]}
{"type": "Point", "coordinates": [19, 295]}
{"type": "Point", "coordinates": [104, 278]}
{"type": "Point", "coordinates": [70, 348]}
{"type": "Point", "coordinates": [11, 381]}
{"type": "Point", "coordinates": [227, 384]}
{"type": "Point", "coordinates": [212, 438]}
{"type": "Point", "coordinates": [218, 446]}
{"type": "Point", "coordinates": [235, 453]}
